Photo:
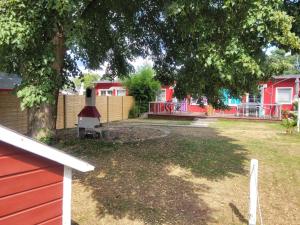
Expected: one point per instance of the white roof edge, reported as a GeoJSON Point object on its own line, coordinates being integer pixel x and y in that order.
{"type": "Point", "coordinates": [21, 141]}
{"type": "Point", "coordinates": [287, 76]}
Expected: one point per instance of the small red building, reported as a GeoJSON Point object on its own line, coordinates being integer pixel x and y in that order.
{"type": "Point", "coordinates": [35, 181]}
{"type": "Point", "coordinates": [281, 90]}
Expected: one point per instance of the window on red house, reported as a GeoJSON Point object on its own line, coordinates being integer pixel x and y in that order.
{"type": "Point", "coordinates": [284, 95]}
{"type": "Point", "coordinates": [121, 92]}
{"type": "Point", "coordinates": [161, 97]}
{"type": "Point", "coordinates": [106, 93]}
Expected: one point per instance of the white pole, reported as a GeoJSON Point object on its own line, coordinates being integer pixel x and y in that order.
{"type": "Point", "coordinates": [298, 116]}
{"type": "Point", "coordinates": [253, 191]}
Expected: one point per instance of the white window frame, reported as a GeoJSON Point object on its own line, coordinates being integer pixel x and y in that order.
{"type": "Point", "coordinates": [193, 103]}
{"type": "Point", "coordinates": [165, 90]}
{"type": "Point", "coordinates": [291, 97]}
{"type": "Point", "coordinates": [121, 90]}
{"type": "Point", "coordinates": [106, 90]}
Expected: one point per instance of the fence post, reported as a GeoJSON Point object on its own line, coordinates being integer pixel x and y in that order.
{"type": "Point", "coordinates": [280, 112]}
{"type": "Point", "coordinates": [298, 116]}
{"type": "Point", "coordinates": [64, 111]}
{"type": "Point", "coordinates": [253, 191]}
{"type": "Point", "coordinates": [122, 107]}
{"type": "Point", "coordinates": [107, 101]}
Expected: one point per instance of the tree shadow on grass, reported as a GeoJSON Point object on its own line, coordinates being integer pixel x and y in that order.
{"type": "Point", "coordinates": [134, 181]}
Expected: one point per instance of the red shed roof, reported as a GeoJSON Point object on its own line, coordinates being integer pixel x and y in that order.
{"type": "Point", "coordinates": [16, 139]}
{"type": "Point", "coordinates": [89, 111]}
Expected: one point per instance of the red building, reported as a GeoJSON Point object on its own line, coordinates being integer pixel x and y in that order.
{"type": "Point", "coordinates": [281, 90]}
{"type": "Point", "coordinates": [110, 88]}
{"type": "Point", "coordinates": [35, 181]}
{"type": "Point", "coordinates": [276, 95]}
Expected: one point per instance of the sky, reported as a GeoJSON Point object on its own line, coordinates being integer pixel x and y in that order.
{"type": "Point", "coordinates": [137, 63]}
{"type": "Point", "coordinates": [140, 62]}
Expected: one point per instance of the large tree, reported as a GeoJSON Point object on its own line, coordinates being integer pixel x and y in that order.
{"type": "Point", "coordinates": [280, 62]}
{"type": "Point", "coordinates": [205, 45]}
{"type": "Point", "coordinates": [210, 45]}
{"type": "Point", "coordinates": [87, 79]}
{"type": "Point", "coordinates": [42, 39]}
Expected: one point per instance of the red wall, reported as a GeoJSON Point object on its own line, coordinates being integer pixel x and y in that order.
{"type": "Point", "coordinates": [107, 85]}
{"type": "Point", "coordinates": [101, 86]}
{"type": "Point", "coordinates": [31, 188]}
{"type": "Point", "coordinates": [169, 92]}
{"type": "Point", "coordinates": [270, 92]}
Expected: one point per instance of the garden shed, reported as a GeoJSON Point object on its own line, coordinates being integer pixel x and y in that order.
{"type": "Point", "coordinates": [35, 181]}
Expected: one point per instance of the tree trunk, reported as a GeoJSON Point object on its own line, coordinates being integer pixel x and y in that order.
{"type": "Point", "coordinates": [42, 119]}
{"type": "Point", "coordinates": [42, 122]}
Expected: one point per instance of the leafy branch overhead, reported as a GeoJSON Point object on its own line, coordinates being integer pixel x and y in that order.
{"type": "Point", "coordinates": [221, 44]}
{"type": "Point", "coordinates": [203, 45]}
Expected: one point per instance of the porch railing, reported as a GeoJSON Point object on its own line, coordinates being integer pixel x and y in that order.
{"type": "Point", "coordinates": [167, 107]}
{"type": "Point", "coordinates": [268, 111]}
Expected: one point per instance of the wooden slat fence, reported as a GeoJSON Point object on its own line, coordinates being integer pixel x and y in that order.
{"type": "Point", "coordinates": [11, 114]}
{"type": "Point", "coordinates": [111, 108]}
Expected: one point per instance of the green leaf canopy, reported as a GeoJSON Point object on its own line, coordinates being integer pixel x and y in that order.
{"type": "Point", "coordinates": [204, 45]}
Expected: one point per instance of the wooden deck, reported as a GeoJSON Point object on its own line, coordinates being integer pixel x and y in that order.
{"type": "Point", "coordinates": [192, 116]}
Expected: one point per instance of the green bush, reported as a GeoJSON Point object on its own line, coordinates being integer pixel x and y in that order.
{"type": "Point", "coordinates": [143, 87]}
{"type": "Point", "coordinates": [134, 112]}
{"type": "Point", "coordinates": [290, 122]}
{"type": "Point", "coordinates": [295, 105]}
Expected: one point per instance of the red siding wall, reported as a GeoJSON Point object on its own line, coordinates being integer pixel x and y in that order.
{"type": "Point", "coordinates": [30, 188]}
{"type": "Point", "coordinates": [270, 91]}
{"type": "Point", "coordinates": [169, 92]}
{"type": "Point", "coordinates": [106, 86]}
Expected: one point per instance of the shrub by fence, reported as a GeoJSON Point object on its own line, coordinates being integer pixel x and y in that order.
{"type": "Point", "coordinates": [111, 108]}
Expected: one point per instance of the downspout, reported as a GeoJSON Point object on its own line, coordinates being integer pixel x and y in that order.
{"type": "Point", "coordinates": [296, 88]}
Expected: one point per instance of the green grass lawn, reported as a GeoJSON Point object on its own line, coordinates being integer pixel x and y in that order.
{"type": "Point", "coordinates": [193, 176]}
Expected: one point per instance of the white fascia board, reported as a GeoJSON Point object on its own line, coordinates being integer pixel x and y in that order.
{"type": "Point", "coordinates": [67, 196]}
{"type": "Point", "coordinates": [18, 140]}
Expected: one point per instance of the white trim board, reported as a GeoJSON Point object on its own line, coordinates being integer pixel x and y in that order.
{"type": "Point", "coordinates": [165, 90]}
{"type": "Point", "coordinates": [67, 196]}
{"type": "Point", "coordinates": [18, 140]}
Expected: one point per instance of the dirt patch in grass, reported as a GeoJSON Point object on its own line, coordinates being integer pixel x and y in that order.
{"type": "Point", "coordinates": [128, 134]}
{"type": "Point", "coordinates": [192, 176]}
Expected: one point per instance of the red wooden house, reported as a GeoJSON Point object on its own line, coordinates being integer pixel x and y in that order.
{"type": "Point", "coordinates": [115, 88]}
{"type": "Point", "coordinates": [281, 90]}
{"type": "Point", "coordinates": [276, 95]}
{"type": "Point", "coordinates": [35, 181]}
{"type": "Point", "coordinates": [110, 88]}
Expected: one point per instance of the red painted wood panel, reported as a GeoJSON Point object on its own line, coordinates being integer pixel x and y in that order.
{"type": "Point", "coordinates": [55, 221]}
{"type": "Point", "coordinates": [14, 164]}
{"type": "Point", "coordinates": [25, 200]}
{"type": "Point", "coordinates": [33, 179]}
{"type": "Point", "coordinates": [6, 149]}
{"type": "Point", "coordinates": [34, 215]}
